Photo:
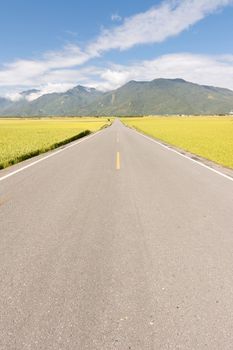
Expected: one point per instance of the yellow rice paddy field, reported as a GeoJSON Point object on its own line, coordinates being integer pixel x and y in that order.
{"type": "Point", "coordinates": [23, 138]}
{"type": "Point", "coordinates": [208, 137]}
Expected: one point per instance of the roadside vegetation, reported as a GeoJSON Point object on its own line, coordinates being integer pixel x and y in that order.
{"type": "Point", "coordinates": [208, 137]}
{"type": "Point", "coordinates": [21, 139]}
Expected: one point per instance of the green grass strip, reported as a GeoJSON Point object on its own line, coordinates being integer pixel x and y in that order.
{"type": "Point", "coordinates": [37, 152]}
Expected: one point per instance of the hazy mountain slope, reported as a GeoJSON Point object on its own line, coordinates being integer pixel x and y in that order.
{"type": "Point", "coordinates": [68, 103]}
{"type": "Point", "coordinates": [4, 103]}
{"type": "Point", "coordinates": [159, 96]}
{"type": "Point", "coordinates": [164, 96]}
{"type": "Point", "coordinates": [19, 106]}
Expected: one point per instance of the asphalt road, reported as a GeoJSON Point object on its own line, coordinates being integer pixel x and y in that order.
{"type": "Point", "coordinates": [116, 243]}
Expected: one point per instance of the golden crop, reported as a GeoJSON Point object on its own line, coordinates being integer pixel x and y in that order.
{"type": "Point", "coordinates": [25, 137]}
{"type": "Point", "coordinates": [208, 137]}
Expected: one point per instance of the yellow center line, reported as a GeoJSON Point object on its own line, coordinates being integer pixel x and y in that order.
{"type": "Point", "coordinates": [118, 161]}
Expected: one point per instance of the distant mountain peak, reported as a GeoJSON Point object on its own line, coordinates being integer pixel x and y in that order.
{"type": "Point", "coordinates": [169, 80]}
{"type": "Point", "coordinates": [29, 92]}
{"type": "Point", "coordinates": [131, 82]}
{"type": "Point", "coordinates": [82, 89]}
{"type": "Point", "coordinates": [179, 80]}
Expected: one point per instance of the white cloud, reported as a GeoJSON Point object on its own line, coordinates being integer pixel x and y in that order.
{"type": "Point", "coordinates": [59, 68]}
{"type": "Point", "coordinates": [33, 72]}
{"type": "Point", "coordinates": [200, 69]}
{"type": "Point", "coordinates": [116, 18]}
{"type": "Point", "coordinates": [14, 96]}
{"type": "Point", "coordinates": [155, 25]}
{"type": "Point", "coordinates": [48, 89]}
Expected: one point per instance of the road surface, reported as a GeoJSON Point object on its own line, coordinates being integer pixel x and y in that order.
{"type": "Point", "coordinates": [116, 243]}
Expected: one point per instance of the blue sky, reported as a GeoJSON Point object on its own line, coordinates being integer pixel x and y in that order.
{"type": "Point", "coordinates": [54, 45]}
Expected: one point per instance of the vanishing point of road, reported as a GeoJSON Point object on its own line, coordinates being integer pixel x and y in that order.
{"type": "Point", "coordinates": [115, 242]}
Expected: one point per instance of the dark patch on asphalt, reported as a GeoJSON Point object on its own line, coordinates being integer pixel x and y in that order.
{"type": "Point", "coordinates": [195, 158]}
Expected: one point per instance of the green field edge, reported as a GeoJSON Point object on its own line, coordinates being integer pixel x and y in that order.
{"type": "Point", "coordinates": [178, 148]}
{"type": "Point", "coordinates": [37, 152]}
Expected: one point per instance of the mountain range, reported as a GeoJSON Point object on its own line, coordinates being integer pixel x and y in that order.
{"type": "Point", "coordinates": [159, 96]}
